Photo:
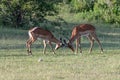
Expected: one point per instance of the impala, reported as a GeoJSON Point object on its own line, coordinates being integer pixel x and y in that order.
{"type": "Point", "coordinates": [83, 30]}
{"type": "Point", "coordinates": [45, 35]}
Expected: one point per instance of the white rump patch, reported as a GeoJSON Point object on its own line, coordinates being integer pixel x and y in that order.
{"type": "Point", "coordinates": [30, 35]}
{"type": "Point", "coordinates": [34, 28]}
{"type": "Point", "coordinates": [29, 32]}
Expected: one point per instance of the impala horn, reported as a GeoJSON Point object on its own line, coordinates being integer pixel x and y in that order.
{"type": "Point", "coordinates": [65, 43]}
{"type": "Point", "coordinates": [61, 42]}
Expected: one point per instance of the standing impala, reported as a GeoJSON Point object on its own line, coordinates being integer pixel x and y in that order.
{"type": "Point", "coordinates": [83, 30]}
{"type": "Point", "coordinates": [45, 35]}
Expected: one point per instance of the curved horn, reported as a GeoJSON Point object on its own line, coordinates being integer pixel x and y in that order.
{"type": "Point", "coordinates": [64, 41]}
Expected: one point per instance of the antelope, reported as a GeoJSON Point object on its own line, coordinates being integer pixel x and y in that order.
{"type": "Point", "coordinates": [78, 31]}
{"type": "Point", "coordinates": [45, 35]}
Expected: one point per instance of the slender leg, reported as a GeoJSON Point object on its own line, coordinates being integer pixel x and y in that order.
{"type": "Point", "coordinates": [51, 47]}
{"type": "Point", "coordinates": [91, 43]}
{"type": "Point", "coordinates": [29, 43]}
{"type": "Point", "coordinates": [95, 37]}
{"type": "Point", "coordinates": [30, 52]}
{"type": "Point", "coordinates": [45, 45]}
{"type": "Point", "coordinates": [77, 45]}
{"type": "Point", "coordinates": [80, 44]}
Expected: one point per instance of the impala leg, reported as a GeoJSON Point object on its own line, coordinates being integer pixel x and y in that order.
{"type": "Point", "coordinates": [91, 42]}
{"type": "Point", "coordinates": [51, 47]}
{"type": "Point", "coordinates": [32, 41]}
{"type": "Point", "coordinates": [29, 43]}
{"type": "Point", "coordinates": [78, 44]}
{"type": "Point", "coordinates": [95, 37]}
{"type": "Point", "coordinates": [45, 45]}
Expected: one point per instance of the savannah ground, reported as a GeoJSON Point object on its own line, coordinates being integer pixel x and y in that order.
{"type": "Point", "coordinates": [15, 64]}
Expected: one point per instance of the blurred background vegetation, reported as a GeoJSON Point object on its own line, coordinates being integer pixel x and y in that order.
{"type": "Point", "coordinates": [28, 13]}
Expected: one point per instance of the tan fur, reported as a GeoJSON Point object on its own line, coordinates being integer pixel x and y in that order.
{"type": "Point", "coordinates": [45, 35]}
{"type": "Point", "coordinates": [83, 30]}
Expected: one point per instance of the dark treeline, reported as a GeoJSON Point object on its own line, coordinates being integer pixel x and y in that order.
{"type": "Point", "coordinates": [24, 13]}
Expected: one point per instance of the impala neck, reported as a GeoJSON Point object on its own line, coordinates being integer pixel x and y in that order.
{"type": "Point", "coordinates": [55, 40]}
{"type": "Point", "coordinates": [58, 43]}
{"type": "Point", "coordinates": [72, 39]}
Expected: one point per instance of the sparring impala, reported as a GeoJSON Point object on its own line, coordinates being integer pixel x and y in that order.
{"type": "Point", "coordinates": [45, 35]}
{"type": "Point", "coordinates": [83, 30]}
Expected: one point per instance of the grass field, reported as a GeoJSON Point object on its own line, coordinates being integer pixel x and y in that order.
{"type": "Point", "coordinates": [65, 65]}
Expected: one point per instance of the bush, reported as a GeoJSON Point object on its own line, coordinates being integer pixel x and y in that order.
{"type": "Point", "coordinates": [97, 10]}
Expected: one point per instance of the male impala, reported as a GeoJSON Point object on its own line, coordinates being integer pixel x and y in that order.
{"type": "Point", "coordinates": [83, 30]}
{"type": "Point", "coordinates": [47, 37]}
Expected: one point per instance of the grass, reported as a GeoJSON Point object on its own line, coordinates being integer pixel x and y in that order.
{"type": "Point", "coordinates": [15, 65]}
{"type": "Point", "coordinates": [65, 65]}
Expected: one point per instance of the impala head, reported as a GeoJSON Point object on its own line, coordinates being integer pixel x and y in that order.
{"type": "Point", "coordinates": [59, 44]}
{"type": "Point", "coordinates": [69, 45]}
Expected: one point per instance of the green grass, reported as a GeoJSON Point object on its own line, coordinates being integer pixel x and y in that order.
{"type": "Point", "coordinates": [65, 65]}
{"type": "Point", "coordinates": [16, 65]}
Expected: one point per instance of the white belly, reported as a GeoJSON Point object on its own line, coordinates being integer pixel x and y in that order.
{"type": "Point", "coordinates": [85, 33]}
